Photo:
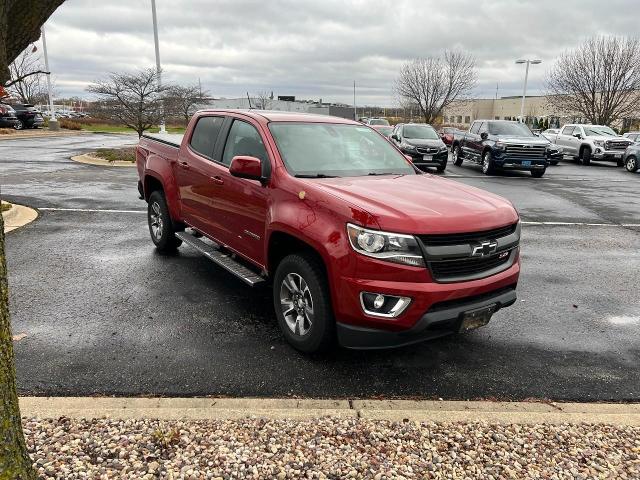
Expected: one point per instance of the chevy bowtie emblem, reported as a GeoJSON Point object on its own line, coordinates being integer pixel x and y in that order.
{"type": "Point", "coordinates": [484, 248]}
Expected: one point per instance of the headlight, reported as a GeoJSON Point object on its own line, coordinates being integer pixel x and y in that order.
{"type": "Point", "coordinates": [599, 143]}
{"type": "Point", "coordinates": [443, 148]}
{"type": "Point", "coordinates": [406, 146]}
{"type": "Point", "coordinates": [500, 145]}
{"type": "Point", "coordinates": [391, 247]}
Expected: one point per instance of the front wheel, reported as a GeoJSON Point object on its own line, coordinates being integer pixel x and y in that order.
{"type": "Point", "coordinates": [553, 162]}
{"type": "Point", "coordinates": [303, 304]}
{"type": "Point", "coordinates": [19, 125]}
{"type": "Point", "coordinates": [441, 168]}
{"type": "Point", "coordinates": [585, 156]}
{"type": "Point", "coordinates": [457, 156]}
{"type": "Point", "coordinates": [487, 163]}
{"type": "Point", "coordinates": [631, 164]}
{"type": "Point", "coordinates": [538, 173]}
{"type": "Point", "coordinates": [620, 162]}
{"type": "Point", "coordinates": [161, 228]}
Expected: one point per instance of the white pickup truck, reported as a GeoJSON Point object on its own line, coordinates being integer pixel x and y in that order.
{"type": "Point", "coordinates": [591, 142]}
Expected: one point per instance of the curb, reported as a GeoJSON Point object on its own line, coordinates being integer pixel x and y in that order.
{"type": "Point", "coordinates": [18, 216]}
{"type": "Point", "coordinates": [89, 159]}
{"type": "Point", "coordinates": [391, 410]}
{"type": "Point", "coordinates": [42, 134]}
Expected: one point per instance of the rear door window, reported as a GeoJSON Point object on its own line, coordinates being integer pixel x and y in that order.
{"type": "Point", "coordinates": [475, 127]}
{"type": "Point", "coordinates": [205, 134]}
{"type": "Point", "coordinates": [568, 130]}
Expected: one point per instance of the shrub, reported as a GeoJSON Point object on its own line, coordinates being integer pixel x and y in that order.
{"type": "Point", "coordinates": [69, 124]}
{"type": "Point", "coordinates": [6, 131]}
{"type": "Point", "coordinates": [125, 154]}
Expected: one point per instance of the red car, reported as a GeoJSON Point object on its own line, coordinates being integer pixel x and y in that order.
{"type": "Point", "coordinates": [447, 134]}
{"type": "Point", "coordinates": [358, 245]}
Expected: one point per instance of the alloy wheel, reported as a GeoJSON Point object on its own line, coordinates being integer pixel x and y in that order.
{"type": "Point", "coordinates": [631, 164]}
{"type": "Point", "coordinates": [156, 221]}
{"type": "Point", "coordinates": [296, 303]}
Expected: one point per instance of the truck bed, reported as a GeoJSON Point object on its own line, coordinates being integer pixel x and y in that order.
{"type": "Point", "coordinates": [173, 139]}
{"type": "Point", "coordinates": [165, 145]}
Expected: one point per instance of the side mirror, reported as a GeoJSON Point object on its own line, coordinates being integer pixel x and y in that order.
{"type": "Point", "coordinates": [484, 135]}
{"type": "Point", "coordinates": [577, 135]}
{"type": "Point", "coordinates": [395, 137]}
{"type": "Point", "coordinates": [244, 166]}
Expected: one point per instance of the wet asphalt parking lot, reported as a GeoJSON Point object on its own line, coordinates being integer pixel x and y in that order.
{"type": "Point", "coordinates": [104, 314]}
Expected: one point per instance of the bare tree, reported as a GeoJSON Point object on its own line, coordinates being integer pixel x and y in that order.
{"type": "Point", "coordinates": [600, 79]}
{"type": "Point", "coordinates": [28, 77]}
{"type": "Point", "coordinates": [20, 22]}
{"type": "Point", "coordinates": [133, 99]}
{"type": "Point", "coordinates": [434, 83]}
{"type": "Point", "coordinates": [263, 100]}
{"type": "Point", "coordinates": [182, 100]}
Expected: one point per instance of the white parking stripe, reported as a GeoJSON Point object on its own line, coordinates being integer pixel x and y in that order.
{"type": "Point", "coordinates": [54, 209]}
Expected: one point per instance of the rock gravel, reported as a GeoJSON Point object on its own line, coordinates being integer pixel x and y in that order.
{"type": "Point", "coordinates": [328, 448]}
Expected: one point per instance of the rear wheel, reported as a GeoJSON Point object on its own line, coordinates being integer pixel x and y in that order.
{"type": "Point", "coordinates": [161, 228]}
{"type": "Point", "coordinates": [631, 164]}
{"type": "Point", "coordinates": [19, 125]}
{"type": "Point", "coordinates": [457, 155]}
{"type": "Point", "coordinates": [487, 163]}
{"type": "Point", "coordinates": [585, 156]}
{"type": "Point", "coordinates": [302, 303]}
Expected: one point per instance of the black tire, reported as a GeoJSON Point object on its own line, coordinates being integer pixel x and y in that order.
{"type": "Point", "coordinates": [585, 156]}
{"type": "Point", "coordinates": [161, 227]}
{"type": "Point", "coordinates": [553, 162]}
{"type": "Point", "coordinates": [19, 125]}
{"type": "Point", "coordinates": [487, 163]}
{"type": "Point", "coordinates": [457, 156]}
{"type": "Point", "coordinates": [320, 327]}
{"type": "Point", "coordinates": [620, 162]}
{"type": "Point", "coordinates": [538, 173]}
{"type": "Point", "coordinates": [441, 168]}
{"type": "Point", "coordinates": [631, 164]}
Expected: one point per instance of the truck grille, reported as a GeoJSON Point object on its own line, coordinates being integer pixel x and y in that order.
{"type": "Point", "coordinates": [449, 270]}
{"type": "Point", "coordinates": [616, 145]}
{"type": "Point", "coordinates": [528, 151]}
{"type": "Point", "coordinates": [459, 238]}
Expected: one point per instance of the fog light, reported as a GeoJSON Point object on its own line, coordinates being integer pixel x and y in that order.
{"type": "Point", "coordinates": [379, 301]}
{"type": "Point", "coordinates": [381, 305]}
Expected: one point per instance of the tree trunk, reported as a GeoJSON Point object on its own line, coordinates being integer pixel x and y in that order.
{"type": "Point", "coordinates": [14, 459]}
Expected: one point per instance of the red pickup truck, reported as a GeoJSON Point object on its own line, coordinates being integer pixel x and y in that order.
{"type": "Point", "coordinates": [358, 245]}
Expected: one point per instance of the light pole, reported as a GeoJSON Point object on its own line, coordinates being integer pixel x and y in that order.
{"type": "Point", "coordinates": [526, 77]}
{"type": "Point", "coordinates": [53, 123]}
{"type": "Point", "coordinates": [355, 110]}
{"type": "Point", "coordinates": [155, 38]}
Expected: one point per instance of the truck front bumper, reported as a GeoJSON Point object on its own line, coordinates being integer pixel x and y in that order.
{"type": "Point", "coordinates": [510, 163]}
{"type": "Point", "coordinates": [607, 155]}
{"type": "Point", "coordinates": [440, 320]}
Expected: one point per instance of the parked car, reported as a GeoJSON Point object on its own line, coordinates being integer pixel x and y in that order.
{"type": "Point", "coordinates": [8, 118]}
{"type": "Point", "coordinates": [422, 143]}
{"type": "Point", "coordinates": [550, 131]}
{"type": "Point", "coordinates": [592, 142]}
{"type": "Point", "coordinates": [356, 243]}
{"type": "Point", "coordinates": [449, 134]}
{"type": "Point", "coordinates": [28, 116]}
{"type": "Point", "coordinates": [502, 145]}
{"type": "Point", "coordinates": [631, 157]}
{"type": "Point", "coordinates": [377, 121]}
{"type": "Point", "coordinates": [633, 136]}
{"type": "Point", "coordinates": [555, 152]}
{"type": "Point", "coordinates": [385, 130]}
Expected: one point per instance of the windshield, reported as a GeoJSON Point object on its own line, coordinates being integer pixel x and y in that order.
{"type": "Point", "coordinates": [336, 150]}
{"type": "Point", "coordinates": [509, 128]}
{"type": "Point", "coordinates": [378, 121]}
{"type": "Point", "coordinates": [423, 132]}
{"type": "Point", "coordinates": [597, 130]}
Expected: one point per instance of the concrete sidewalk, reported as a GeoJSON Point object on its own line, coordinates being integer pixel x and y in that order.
{"type": "Point", "coordinates": [394, 410]}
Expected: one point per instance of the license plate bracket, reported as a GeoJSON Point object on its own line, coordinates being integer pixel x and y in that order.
{"type": "Point", "coordinates": [427, 158]}
{"type": "Point", "coordinates": [476, 318]}
{"type": "Point", "coordinates": [526, 163]}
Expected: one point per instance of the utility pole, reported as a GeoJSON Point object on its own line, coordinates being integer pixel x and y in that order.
{"type": "Point", "coordinates": [524, 89]}
{"type": "Point", "coordinates": [155, 38]}
{"type": "Point", "coordinates": [53, 123]}
{"type": "Point", "coordinates": [355, 111]}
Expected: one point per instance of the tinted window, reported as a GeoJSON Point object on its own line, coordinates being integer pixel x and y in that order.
{"type": "Point", "coordinates": [243, 139]}
{"type": "Point", "coordinates": [425, 132]}
{"type": "Point", "coordinates": [475, 127]}
{"type": "Point", "coordinates": [599, 130]}
{"type": "Point", "coordinates": [205, 134]}
{"type": "Point", "coordinates": [567, 130]}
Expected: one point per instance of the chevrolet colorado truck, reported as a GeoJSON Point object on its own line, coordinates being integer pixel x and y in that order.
{"type": "Point", "coordinates": [592, 142]}
{"type": "Point", "coordinates": [356, 243]}
{"type": "Point", "coordinates": [503, 145]}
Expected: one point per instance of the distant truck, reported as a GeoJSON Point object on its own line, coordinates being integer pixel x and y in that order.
{"type": "Point", "coordinates": [502, 145]}
{"type": "Point", "coordinates": [592, 142]}
{"type": "Point", "coordinates": [355, 242]}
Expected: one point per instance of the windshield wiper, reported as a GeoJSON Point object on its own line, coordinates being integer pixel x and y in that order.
{"type": "Point", "coordinates": [385, 173]}
{"type": "Point", "coordinates": [314, 175]}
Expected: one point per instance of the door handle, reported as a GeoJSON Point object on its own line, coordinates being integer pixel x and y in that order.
{"type": "Point", "coordinates": [184, 165]}
{"type": "Point", "coordinates": [217, 180]}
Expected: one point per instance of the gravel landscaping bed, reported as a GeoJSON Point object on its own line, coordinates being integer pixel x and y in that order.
{"type": "Point", "coordinates": [328, 448]}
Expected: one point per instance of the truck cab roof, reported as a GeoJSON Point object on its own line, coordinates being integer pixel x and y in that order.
{"type": "Point", "coordinates": [267, 116]}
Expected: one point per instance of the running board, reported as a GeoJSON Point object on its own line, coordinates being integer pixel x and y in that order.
{"type": "Point", "coordinates": [225, 261]}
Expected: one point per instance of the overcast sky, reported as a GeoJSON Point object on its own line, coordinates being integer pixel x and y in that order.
{"type": "Point", "coordinates": [316, 49]}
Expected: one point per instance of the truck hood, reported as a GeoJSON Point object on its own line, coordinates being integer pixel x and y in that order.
{"type": "Point", "coordinates": [422, 204]}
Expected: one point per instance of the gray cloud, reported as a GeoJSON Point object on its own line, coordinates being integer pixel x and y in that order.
{"type": "Point", "coordinates": [316, 49]}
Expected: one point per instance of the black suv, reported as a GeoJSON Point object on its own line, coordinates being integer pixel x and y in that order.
{"type": "Point", "coordinates": [422, 143]}
{"type": "Point", "coordinates": [28, 116]}
{"type": "Point", "coordinates": [8, 117]}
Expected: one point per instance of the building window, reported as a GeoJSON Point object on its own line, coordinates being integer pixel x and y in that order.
{"type": "Point", "coordinates": [497, 117]}
{"type": "Point", "coordinates": [459, 119]}
{"type": "Point", "coordinates": [467, 119]}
